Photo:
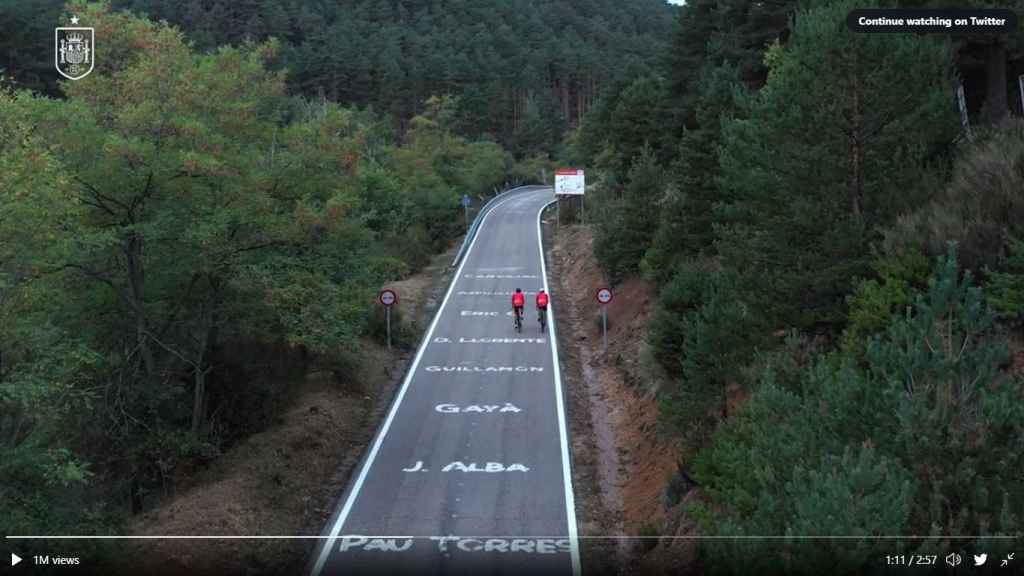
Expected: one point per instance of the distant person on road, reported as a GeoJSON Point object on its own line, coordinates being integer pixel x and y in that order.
{"type": "Point", "coordinates": [518, 301]}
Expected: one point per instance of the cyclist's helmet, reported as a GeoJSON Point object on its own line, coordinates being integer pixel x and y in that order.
{"type": "Point", "coordinates": [518, 290]}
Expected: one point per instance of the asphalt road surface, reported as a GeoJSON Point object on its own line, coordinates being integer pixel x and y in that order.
{"type": "Point", "coordinates": [469, 473]}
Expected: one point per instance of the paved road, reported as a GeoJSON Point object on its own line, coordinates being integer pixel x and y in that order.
{"type": "Point", "coordinates": [469, 473]}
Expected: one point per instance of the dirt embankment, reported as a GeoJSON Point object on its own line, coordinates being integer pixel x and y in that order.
{"type": "Point", "coordinates": [622, 463]}
{"type": "Point", "coordinates": [286, 479]}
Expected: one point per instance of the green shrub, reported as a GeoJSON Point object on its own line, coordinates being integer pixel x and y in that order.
{"type": "Point", "coordinates": [980, 207]}
{"type": "Point", "coordinates": [703, 333]}
{"type": "Point", "coordinates": [665, 254]}
{"type": "Point", "coordinates": [874, 302]}
{"type": "Point", "coordinates": [609, 226]}
{"type": "Point", "coordinates": [923, 441]}
{"type": "Point", "coordinates": [859, 494]}
{"type": "Point", "coordinates": [531, 169]}
{"type": "Point", "coordinates": [1005, 288]}
{"type": "Point", "coordinates": [955, 416]}
{"type": "Point", "coordinates": [786, 366]}
{"type": "Point", "coordinates": [626, 225]}
{"type": "Point", "coordinates": [681, 296]}
{"type": "Point", "coordinates": [403, 332]}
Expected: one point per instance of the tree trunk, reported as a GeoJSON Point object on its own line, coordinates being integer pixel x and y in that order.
{"type": "Point", "coordinates": [198, 398]}
{"type": "Point", "coordinates": [208, 334]}
{"type": "Point", "coordinates": [565, 102]}
{"type": "Point", "coordinates": [580, 96]}
{"type": "Point", "coordinates": [857, 146]}
{"type": "Point", "coordinates": [132, 248]}
{"type": "Point", "coordinates": [18, 421]}
{"type": "Point", "coordinates": [996, 107]}
{"type": "Point", "coordinates": [134, 496]}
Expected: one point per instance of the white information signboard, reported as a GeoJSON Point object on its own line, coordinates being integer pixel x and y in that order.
{"type": "Point", "coordinates": [569, 181]}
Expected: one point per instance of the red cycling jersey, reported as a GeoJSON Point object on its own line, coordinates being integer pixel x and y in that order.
{"type": "Point", "coordinates": [542, 300]}
{"type": "Point", "coordinates": [518, 300]}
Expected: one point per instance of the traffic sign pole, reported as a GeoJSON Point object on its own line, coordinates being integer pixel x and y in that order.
{"type": "Point", "coordinates": [604, 325]}
{"type": "Point", "coordinates": [603, 297]}
{"type": "Point", "coordinates": [388, 298]}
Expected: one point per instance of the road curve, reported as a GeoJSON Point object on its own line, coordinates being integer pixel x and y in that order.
{"type": "Point", "coordinates": [470, 471]}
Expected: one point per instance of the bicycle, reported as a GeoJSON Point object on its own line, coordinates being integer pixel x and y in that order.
{"type": "Point", "coordinates": [542, 317]}
{"type": "Point", "coordinates": [518, 320]}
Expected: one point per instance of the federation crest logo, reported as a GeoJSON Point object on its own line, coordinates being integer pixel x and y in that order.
{"type": "Point", "coordinates": [75, 50]}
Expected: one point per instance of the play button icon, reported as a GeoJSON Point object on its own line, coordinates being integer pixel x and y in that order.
{"type": "Point", "coordinates": [15, 559]}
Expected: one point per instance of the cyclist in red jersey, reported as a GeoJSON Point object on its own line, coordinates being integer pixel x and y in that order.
{"type": "Point", "coordinates": [542, 307]}
{"type": "Point", "coordinates": [518, 301]}
{"type": "Point", "coordinates": [542, 300]}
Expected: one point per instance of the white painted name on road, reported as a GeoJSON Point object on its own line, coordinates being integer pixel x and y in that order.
{"type": "Point", "coordinates": [488, 293]}
{"type": "Point", "coordinates": [480, 408]}
{"type": "Point", "coordinates": [484, 368]}
{"type": "Point", "coordinates": [501, 276]}
{"type": "Point", "coordinates": [527, 545]}
{"type": "Point", "coordinates": [488, 467]}
{"type": "Point", "coordinates": [478, 313]}
{"type": "Point", "coordinates": [443, 340]}
{"type": "Point", "coordinates": [502, 340]}
{"type": "Point", "coordinates": [448, 544]}
{"type": "Point", "coordinates": [382, 544]}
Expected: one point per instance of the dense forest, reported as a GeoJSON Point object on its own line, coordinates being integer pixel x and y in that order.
{"type": "Point", "coordinates": [839, 263]}
{"type": "Point", "coordinates": [841, 274]}
{"type": "Point", "coordinates": [523, 70]}
{"type": "Point", "coordinates": [182, 236]}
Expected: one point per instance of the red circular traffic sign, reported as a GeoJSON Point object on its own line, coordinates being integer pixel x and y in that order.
{"type": "Point", "coordinates": [603, 295]}
{"type": "Point", "coordinates": [388, 297]}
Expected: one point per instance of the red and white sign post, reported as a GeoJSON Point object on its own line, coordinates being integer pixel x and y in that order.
{"type": "Point", "coordinates": [388, 298]}
{"type": "Point", "coordinates": [603, 297]}
{"type": "Point", "coordinates": [570, 182]}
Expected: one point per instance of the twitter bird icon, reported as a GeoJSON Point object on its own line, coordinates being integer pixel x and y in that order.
{"type": "Point", "coordinates": [979, 559]}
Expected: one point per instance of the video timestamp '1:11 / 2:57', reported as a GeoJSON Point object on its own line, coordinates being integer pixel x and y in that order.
{"type": "Point", "coordinates": [911, 560]}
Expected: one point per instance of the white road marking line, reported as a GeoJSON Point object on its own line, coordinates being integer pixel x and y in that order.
{"type": "Point", "coordinates": [350, 501]}
{"type": "Point", "coordinates": [570, 501]}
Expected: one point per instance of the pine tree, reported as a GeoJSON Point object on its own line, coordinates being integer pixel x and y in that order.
{"type": "Point", "coordinates": [801, 204]}
{"type": "Point", "coordinates": [685, 228]}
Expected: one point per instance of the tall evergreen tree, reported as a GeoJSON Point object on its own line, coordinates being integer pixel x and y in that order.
{"type": "Point", "coordinates": [800, 214]}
